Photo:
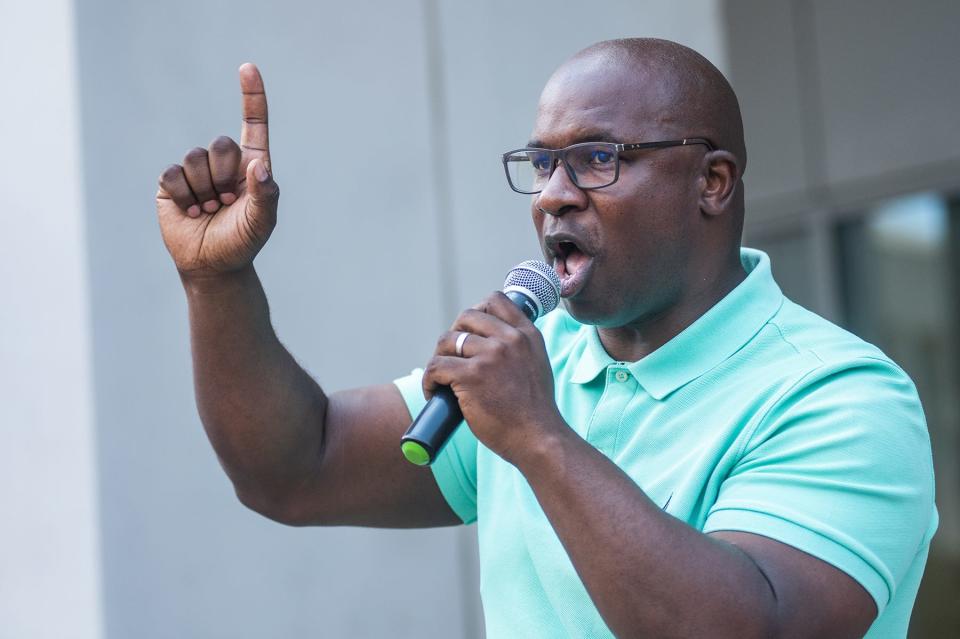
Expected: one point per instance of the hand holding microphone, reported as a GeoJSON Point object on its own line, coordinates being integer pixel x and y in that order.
{"type": "Point", "coordinates": [491, 369]}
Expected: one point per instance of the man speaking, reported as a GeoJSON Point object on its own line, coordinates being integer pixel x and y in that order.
{"type": "Point", "coordinates": [679, 451]}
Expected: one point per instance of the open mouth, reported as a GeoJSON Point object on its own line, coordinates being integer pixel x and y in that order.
{"type": "Point", "coordinates": [571, 264]}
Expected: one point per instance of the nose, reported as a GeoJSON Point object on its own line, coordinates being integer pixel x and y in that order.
{"type": "Point", "coordinates": [560, 195]}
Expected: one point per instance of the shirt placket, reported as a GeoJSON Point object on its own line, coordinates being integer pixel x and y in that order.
{"type": "Point", "coordinates": [620, 388]}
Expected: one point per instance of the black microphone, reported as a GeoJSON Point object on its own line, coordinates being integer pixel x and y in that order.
{"type": "Point", "coordinates": [535, 289]}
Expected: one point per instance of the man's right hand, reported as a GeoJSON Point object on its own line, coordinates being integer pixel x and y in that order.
{"type": "Point", "coordinates": [219, 207]}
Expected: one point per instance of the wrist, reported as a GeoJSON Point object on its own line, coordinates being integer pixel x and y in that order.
{"type": "Point", "coordinates": [205, 283]}
{"type": "Point", "coordinates": [546, 450]}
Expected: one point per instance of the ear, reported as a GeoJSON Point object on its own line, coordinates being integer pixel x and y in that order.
{"type": "Point", "coordinates": [721, 174]}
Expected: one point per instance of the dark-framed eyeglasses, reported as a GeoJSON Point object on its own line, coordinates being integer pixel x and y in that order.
{"type": "Point", "coordinates": [590, 165]}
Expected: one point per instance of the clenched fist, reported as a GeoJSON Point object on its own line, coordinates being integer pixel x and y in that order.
{"type": "Point", "coordinates": [219, 207]}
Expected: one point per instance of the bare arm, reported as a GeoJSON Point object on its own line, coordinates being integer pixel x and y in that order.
{"type": "Point", "coordinates": [649, 574]}
{"type": "Point", "coordinates": [292, 453]}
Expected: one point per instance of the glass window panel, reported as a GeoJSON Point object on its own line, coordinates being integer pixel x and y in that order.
{"type": "Point", "coordinates": [899, 287]}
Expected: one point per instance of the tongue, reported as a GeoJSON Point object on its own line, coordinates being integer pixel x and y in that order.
{"type": "Point", "coordinates": [574, 261]}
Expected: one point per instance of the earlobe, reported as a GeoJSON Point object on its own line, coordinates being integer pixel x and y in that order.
{"type": "Point", "coordinates": [721, 174]}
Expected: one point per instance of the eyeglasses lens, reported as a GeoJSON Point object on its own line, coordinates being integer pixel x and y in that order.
{"type": "Point", "coordinates": [593, 164]}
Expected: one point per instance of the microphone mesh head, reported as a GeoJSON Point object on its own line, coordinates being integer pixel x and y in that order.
{"type": "Point", "coordinates": [539, 279]}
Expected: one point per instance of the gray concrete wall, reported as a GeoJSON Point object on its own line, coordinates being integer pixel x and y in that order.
{"type": "Point", "coordinates": [49, 535]}
{"type": "Point", "coordinates": [430, 94]}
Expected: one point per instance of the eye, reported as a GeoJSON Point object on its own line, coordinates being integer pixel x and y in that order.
{"type": "Point", "coordinates": [541, 162]}
{"type": "Point", "coordinates": [601, 156]}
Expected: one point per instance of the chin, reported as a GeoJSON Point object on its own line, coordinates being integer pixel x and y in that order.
{"type": "Point", "coordinates": [587, 313]}
{"type": "Point", "coordinates": [608, 315]}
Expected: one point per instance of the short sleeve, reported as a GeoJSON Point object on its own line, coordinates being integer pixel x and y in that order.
{"type": "Point", "coordinates": [455, 468]}
{"type": "Point", "coordinates": [841, 469]}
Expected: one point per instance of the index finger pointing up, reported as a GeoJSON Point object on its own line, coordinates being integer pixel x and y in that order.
{"type": "Point", "coordinates": [254, 138]}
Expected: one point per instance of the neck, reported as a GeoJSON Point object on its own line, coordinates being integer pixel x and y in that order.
{"type": "Point", "coordinates": [638, 339]}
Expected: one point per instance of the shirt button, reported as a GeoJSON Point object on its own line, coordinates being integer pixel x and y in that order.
{"type": "Point", "coordinates": [622, 376]}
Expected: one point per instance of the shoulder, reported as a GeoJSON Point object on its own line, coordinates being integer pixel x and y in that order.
{"type": "Point", "coordinates": [841, 366]}
{"type": "Point", "coordinates": [807, 332]}
{"type": "Point", "coordinates": [842, 389]}
{"type": "Point", "coordinates": [795, 344]}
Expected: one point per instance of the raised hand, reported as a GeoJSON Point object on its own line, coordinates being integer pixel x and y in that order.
{"type": "Point", "coordinates": [218, 208]}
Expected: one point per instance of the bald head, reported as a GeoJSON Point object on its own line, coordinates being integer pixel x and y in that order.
{"type": "Point", "coordinates": [691, 94]}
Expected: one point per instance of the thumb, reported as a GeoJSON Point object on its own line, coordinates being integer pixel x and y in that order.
{"type": "Point", "coordinates": [264, 192]}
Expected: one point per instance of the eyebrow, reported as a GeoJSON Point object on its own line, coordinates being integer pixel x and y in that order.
{"type": "Point", "coordinates": [589, 136]}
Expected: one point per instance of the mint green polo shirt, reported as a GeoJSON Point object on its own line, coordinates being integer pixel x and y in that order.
{"type": "Point", "coordinates": [759, 417]}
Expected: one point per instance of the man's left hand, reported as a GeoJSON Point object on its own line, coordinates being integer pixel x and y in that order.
{"type": "Point", "coordinates": [502, 380]}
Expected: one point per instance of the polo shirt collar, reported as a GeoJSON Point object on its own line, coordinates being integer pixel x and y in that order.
{"type": "Point", "coordinates": [715, 336]}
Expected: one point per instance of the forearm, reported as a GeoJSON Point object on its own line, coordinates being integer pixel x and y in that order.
{"type": "Point", "coordinates": [262, 412]}
{"type": "Point", "coordinates": [648, 573]}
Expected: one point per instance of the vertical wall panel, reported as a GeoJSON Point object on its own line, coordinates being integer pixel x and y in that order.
{"type": "Point", "coordinates": [49, 557]}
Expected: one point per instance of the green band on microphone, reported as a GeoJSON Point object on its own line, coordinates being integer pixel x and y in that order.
{"type": "Point", "coordinates": [415, 453]}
